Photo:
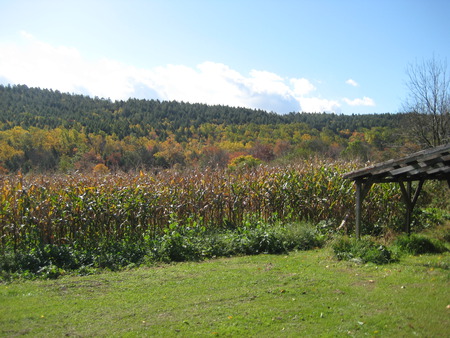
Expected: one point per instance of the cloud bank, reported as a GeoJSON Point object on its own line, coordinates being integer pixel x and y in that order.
{"type": "Point", "coordinates": [38, 64]}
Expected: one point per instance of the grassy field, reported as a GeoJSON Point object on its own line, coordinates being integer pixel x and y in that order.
{"type": "Point", "coordinates": [306, 293]}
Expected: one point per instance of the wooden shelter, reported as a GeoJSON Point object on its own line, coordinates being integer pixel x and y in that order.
{"type": "Point", "coordinates": [429, 164]}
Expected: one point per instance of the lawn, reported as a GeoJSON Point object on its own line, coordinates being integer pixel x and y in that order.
{"type": "Point", "coordinates": [305, 293]}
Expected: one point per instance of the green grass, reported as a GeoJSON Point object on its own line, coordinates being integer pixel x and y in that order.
{"type": "Point", "coordinates": [306, 293]}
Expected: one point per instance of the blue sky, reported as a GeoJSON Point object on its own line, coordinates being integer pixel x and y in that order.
{"type": "Point", "coordinates": [345, 56]}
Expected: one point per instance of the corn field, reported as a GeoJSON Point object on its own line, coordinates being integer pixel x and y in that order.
{"type": "Point", "coordinates": [85, 210]}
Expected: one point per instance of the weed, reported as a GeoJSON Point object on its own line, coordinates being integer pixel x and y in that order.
{"type": "Point", "coordinates": [417, 244]}
{"type": "Point", "coordinates": [50, 272]}
{"type": "Point", "coordinates": [177, 244]}
{"type": "Point", "coordinates": [427, 218]}
{"type": "Point", "coordinates": [364, 250]}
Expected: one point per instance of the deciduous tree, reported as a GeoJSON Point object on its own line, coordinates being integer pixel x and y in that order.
{"type": "Point", "coordinates": [428, 103]}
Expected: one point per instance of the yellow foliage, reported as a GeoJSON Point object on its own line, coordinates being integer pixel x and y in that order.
{"type": "Point", "coordinates": [306, 137]}
{"type": "Point", "coordinates": [232, 146]}
{"type": "Point", "coordinates": [244, 161]}
{"type": "Point", "coordinates": [7, 152]}
{"type": "Point", "coordinates": [100, 169]}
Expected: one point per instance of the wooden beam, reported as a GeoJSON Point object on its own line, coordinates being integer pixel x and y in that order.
{"type": "Point", "coordinates": [417, 192]}
{"type": "Point", "coordinates": [402, 170]}
{"type": "Point", "coordinates": [358, 209]}
{"type": "Point", "coordinates": [410, 200]}
{"type": "Point", "coordinates": [362, 188]}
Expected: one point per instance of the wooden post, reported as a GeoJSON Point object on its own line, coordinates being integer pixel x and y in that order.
{"type": "Point", "coordinates": [358, 209]}
{"type": "Point", "coordinates": [361, 191]}
{"type": "Point", "coordinates": [409, 208]}
{"type": "Point", "coordinates": [410, 201]}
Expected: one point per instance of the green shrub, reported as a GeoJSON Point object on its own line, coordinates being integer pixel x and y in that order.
{"type": "Point", "coordinates": [177, 243]}
{"type": "Point", "coordinates": [417, 244]}
{"type": "Point", "coordinates": [48, 262]}
{"type": "Point", "coordinates": [301, 236]}
{"type": "Point", "coordinates": [378, 255]}
{"type": "Point", "coordinates": [429, 217]}
{"type": "Point", "coordinates": [176, 248]}
{"type": "Point", "coordinates": [265, 241]}
{"type": "Point", "coordinates": [364, 250]}
{"type": "Point", "coordinates": [342, 248]}
{"type": "Point", "coordinates": [50, 272]}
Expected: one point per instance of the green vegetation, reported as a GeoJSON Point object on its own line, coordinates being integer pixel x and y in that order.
{"type": "Point", "coordinates": [176, 245]}
{"type": "Point", "coordinates": [78, 221]}
{"type": "Point", "coordinates": [361, 251]}
{"type": "Point", "coordinates": [52, 224]}
{"type": "Point", "coordinates": [417, 244]}
{"type": "Point", "coordinates": [89, 187]}
{"type": "Point", "coordinates": [300, 294]}
{"type": "Point", "coordinates": [435, 240]}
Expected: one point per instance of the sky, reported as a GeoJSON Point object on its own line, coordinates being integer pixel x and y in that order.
{"type": "Point", "coordinates": [342, 56]}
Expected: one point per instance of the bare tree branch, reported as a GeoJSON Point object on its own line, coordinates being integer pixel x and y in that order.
{"type": "Point", "coordinates": [428, 103]}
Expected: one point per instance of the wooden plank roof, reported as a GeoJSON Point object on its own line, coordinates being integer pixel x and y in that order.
{"type": "Point", "coordinates": [429, 164]}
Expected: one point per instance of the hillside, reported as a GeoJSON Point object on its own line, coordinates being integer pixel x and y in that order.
{"type": "Point", "coordinates": [48, 130]}
{"type": "Point", "coordinates": [43, 108]}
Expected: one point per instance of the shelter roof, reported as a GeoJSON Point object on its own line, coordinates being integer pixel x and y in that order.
{"type": "Point", "coordinates": [429, 164]}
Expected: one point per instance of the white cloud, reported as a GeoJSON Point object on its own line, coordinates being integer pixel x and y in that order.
{"type": "Point", "coordinates": [38, 64]}
{"type": "Point", "coordinates": [365, 101]}
{"type": "Point", "coordinates": [267, 82]}
{"type": "Point", "coordinates": [319, 105]}
{"type": "Point", "coordinates": [302, 87]}
{"type": "Point", "coordinates": [211, 83]}
{"type": "Point", "coordinates": [352, 82]}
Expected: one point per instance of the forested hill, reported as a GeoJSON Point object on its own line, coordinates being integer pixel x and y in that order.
{"type": "Point", "coordinates": [46, 130]}
{"type": "Point", "coordinates": [48, 109]}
